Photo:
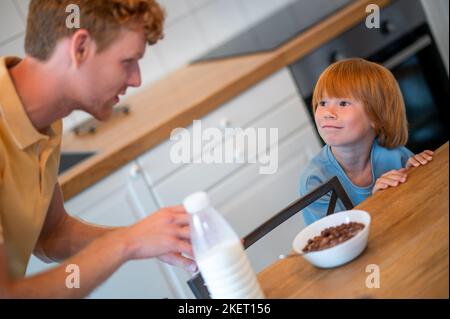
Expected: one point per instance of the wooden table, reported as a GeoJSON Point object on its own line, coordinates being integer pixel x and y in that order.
{"type": "Point", "coordinates": [408, 241]}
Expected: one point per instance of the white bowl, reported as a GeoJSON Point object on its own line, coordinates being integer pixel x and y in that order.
{"type": "Point", "coordinates": [341, 253]}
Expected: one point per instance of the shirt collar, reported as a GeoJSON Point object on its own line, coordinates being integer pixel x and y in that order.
{"type": "Point", "coordinates": [11, 109]}
{"type": "Point", "coordinates": [341, 171]}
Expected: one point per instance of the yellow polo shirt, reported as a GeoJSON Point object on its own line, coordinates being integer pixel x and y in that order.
{"type": "Point", "coordinates": [29, 163]}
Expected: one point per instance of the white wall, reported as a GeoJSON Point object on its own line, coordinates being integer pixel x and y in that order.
{"type": "Point", "coordinates": [192, 28]}
{"type": "Point", "coordinates": [437, 15]}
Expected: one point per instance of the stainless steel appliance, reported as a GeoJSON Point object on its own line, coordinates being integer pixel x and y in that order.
{"type": "Point", "coordinates": [277, 29]}
{"type": "Point", "coordinates": [405, 45]}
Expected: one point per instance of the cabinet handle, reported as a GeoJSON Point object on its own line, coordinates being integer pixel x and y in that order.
{"type": "Point", "coordinates": [135, 171]}
{"type": "Point", "coordinates": [224, 123]}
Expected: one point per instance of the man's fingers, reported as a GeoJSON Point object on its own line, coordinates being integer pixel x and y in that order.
{"type": "Point", "coordinates": [184, 247]}
{"type": "Point", "coordinates": [176, 217]}
{"type": "Point", "coordinates": [177, 209]}
{"type": "Point", "coordinates": [184, 232]}
{"type": "Point", "coordinates": [179, 215]}
{"type": "Point", "coordinates": [181, 219]}
{"type": "Point", "coordinates": [178, 260]}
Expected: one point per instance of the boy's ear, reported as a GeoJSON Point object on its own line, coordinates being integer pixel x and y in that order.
{"type": "Point", "coordinates": [82, 45]}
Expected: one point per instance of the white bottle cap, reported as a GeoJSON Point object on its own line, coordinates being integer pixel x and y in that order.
{"type": "Point", "coordinates": [196, 202]}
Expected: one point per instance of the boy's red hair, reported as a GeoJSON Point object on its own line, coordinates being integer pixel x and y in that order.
{"type": "Point", "coordinates": [376, 88]}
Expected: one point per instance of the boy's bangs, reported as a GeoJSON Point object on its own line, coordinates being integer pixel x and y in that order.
{"type": "Point", "coordinates": [336, 84]}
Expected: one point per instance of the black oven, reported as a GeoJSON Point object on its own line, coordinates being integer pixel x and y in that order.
{"type": "Point", "coordinates": [405, 45]}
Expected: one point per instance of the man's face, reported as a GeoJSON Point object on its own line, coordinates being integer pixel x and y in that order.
{"type": "Point", "coordinates": [104, 76]}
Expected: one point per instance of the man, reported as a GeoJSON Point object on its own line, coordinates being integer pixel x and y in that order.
{"type": "Point", "coordinates": [67, 69]}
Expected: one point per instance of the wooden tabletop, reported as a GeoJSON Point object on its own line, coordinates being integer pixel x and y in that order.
{"type": "Point", "coordinates": [188, 94]}
{"type": "Point", "coordinates": [408, 241]}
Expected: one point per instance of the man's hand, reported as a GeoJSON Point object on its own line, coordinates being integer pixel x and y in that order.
{"type": "Point", "coordinates": [420, 159]}
{"type": "Point", "coordinates": [164, 234]}
{"type": "Point", "coordinates": [390, 179]}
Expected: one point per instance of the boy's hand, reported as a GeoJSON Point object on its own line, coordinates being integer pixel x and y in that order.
{"type": "Point", "coordinates": [420, 159]}
{"type": "Point", "coordinates": [390, 179]}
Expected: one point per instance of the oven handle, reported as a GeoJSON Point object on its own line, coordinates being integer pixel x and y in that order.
{"type": "Point", "coordinates": [407, 52]}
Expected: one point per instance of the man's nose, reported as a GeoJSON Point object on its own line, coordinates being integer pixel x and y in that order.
{"type": "Point", "coordinates": [135, 78]}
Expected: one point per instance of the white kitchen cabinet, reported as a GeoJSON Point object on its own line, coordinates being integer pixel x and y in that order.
{"type": "Point", "coordinates": [121, 199]}
{"type": "Point", "coordinates": [238, 112]}
{"type": "Point", "coordinates": [287, 118]}
{"type": "Point", "coordinates": [272, 103]}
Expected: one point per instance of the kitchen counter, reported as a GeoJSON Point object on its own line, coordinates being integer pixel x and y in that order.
{"type": "Point", "coordinates": [408, 241]}
{"type": "Point", "coordinates": [188, 94]}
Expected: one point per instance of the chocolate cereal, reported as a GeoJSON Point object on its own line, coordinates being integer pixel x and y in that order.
{"type": "Point", "coordinates": [332, 236]}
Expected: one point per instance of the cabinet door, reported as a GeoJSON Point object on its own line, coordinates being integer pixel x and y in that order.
{"type": "Point", "coordinates": [287, 117]}
{"type": "Point", "coordinates": [240, 111]}
{"type": "Point", "coordinates": [247, 199]}
{"type": "Point", "coordinates": [120, 199]}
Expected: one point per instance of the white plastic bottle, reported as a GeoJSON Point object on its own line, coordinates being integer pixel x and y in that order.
{"type": "Point", "coordinates": [219, 253]}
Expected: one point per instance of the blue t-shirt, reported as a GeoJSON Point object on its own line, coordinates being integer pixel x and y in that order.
{"type": "Point", "coordinates": [324, 166]}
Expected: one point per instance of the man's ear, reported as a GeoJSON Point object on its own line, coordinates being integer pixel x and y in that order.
{"type": "Point", "coordinates": [81, 46]}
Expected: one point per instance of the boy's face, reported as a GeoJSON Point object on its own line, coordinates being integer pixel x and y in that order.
{"type": "Point", "coordinates": [342, 121]}
{"type": "Point", "coordinates": [102, 77]}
